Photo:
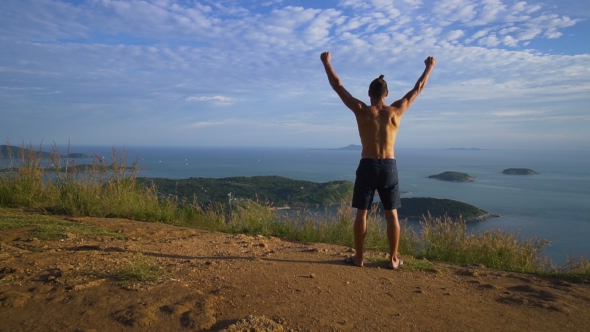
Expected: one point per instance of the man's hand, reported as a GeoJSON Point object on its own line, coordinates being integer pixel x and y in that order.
{"type": "Point", "coordinates": [326, 57]}
{"type": "Point", "coordinates": [430, 62]}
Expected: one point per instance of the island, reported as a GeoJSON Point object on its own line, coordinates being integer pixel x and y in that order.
{"type": "Point", "coordinates": [13, 152]}
{"type": "Point", "coordinates": [351, 147]}
{"type": "Point", "coordinates": [470, 149]}
{"type": "Point", "coordinates": [416, 207]}
{"type": "Point", "coordinates": [519, 171]}
{"type": "Point", "coordinates": [275, 191]}
{"type": "Point", "coordinates": [453, 177]}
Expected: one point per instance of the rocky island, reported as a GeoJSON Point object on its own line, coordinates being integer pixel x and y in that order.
{"type": "Point", "coordinates": [453, 177]}
{"type": "Point", "coordinates": [519, 171]}
{"type": "Point", "coordinates": [416, 207]}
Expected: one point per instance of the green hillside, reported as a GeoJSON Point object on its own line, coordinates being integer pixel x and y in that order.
{"type": "Point", "coordinates": [276, 190]}
{"type": "Point", "coordinates": [519, 171]}
{"type": "Point", "coordinates": [453, 177]}
{"type": "Point", "coordinates": [15, 152]}
{"type": "Point", "coordinates": [416, 207]}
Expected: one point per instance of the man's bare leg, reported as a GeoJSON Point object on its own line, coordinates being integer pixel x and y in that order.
{"type": "Point", "coordinates": [393, 232]}
{"type": "Point", "coordinates": [360, 232]}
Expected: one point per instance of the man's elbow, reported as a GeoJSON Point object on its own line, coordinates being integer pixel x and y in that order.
{"type": "Point", "coordinates": [336, 85]}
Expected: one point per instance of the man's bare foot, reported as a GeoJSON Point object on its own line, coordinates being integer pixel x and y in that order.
{"type": "Point", "coordinates": [395, 263]}
{"type": "Point", "coordinates": [353, 261]}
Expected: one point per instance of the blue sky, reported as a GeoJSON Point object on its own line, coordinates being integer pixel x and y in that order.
{"type": "Point", "coordinates": [510, 74]}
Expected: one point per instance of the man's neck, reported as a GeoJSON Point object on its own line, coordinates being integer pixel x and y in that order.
{"type": "Point", "coordinates": [378, 102]}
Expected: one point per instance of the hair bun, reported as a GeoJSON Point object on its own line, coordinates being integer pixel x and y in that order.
{"type": "Point", "coordinates": [381, 77]}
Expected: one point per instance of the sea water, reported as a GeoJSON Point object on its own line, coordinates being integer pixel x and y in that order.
{"type": "Point", "coordinates": [552, 205]}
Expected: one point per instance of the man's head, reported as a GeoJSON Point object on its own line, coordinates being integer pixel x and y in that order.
{"type": "Point", "coordinates": [378, 88]}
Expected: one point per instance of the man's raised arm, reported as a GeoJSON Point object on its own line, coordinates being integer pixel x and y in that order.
{"type": "Point", "coordinates": [354, 104]}
{"type": "Point", "coordinates": [404, 103]}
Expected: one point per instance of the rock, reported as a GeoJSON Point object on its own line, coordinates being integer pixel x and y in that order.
{"type": "Point", "coordinates": [254, 323]}
{"type": "Point", "coordinates": [14, 299]}
{"type": "Point", "coordinates": [194, 311]}
{"type": "Point", "coordinates": [136, 316]}
{"type": "Point", "coordinates": [4, 256]}
{"type": "Point", "coordinates": [87, 285]}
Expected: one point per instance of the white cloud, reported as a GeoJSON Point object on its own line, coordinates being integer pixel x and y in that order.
{"type": "Point", "coordinates": [509, 41]}
{"type": "Point", "coordinates": [221, 99]}
{"type": "Point", "coordinates": [517, 113]}
{"type": "Point", "coordinates": [529, 34]}
{"type": "Point", "coordinates": [489, 41]}
{"type": "Point", "coordinates": [455, 10]}
{"type": "Point", "coordinates": [455, 34]}
{"type": "Point", "coordinates": [489, 12]}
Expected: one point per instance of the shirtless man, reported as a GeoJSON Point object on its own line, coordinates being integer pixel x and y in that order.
{"type": "Point", "coordinates": [378, 125]}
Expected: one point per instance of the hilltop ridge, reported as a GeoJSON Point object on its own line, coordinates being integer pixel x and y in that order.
{"type": "Point", "coordinates": [10, 151]}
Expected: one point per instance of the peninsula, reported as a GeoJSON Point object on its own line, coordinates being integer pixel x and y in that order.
{"type": "Point", "coordinates": [13, 152]}
{"type": "Point", "coordinates": [351, 147]}
{"type": "Point", "coordinates": [470, 149]}
{"type": "Point", "coordinates": [519, 171]}
{"type": "Point", "coordinates": [453, 177]}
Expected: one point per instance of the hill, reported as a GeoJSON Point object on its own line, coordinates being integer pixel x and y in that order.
{"type": "Point", "coordinates": [276, 190]}
{"type": "Point", "coordinates": [14, 152]}
{"type": "Point", "coordinates": [453, 177]}
{"type": "Point", "coordinates": [519, 171]}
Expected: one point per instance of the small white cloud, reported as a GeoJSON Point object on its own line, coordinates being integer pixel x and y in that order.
{"type": "Point", "coordinates": [516, 113]}
{"type": "Point", "coordinates": [270, 3]}
{"type": "Point", "coordinates": [509, 41]}
{"type": "Point", "coordinates": [455, 34]}
{"type": "Point", "coordinates": [528, 34]}
{"type": "Point", "coordinates": [489, 41]}
{"type": "Point", "coordinates": [221, 99]}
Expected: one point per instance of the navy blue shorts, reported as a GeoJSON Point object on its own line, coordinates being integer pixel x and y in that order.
{"type": "Point", "coordinates": [376, 174]}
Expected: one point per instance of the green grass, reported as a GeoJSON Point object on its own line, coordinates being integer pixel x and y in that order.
{"type": "Point", "coordinates": [112, 190]}
{"type": "Point", "coordinates": [139, 269]}
{"type": "Point", "coordinates": [50, 228]}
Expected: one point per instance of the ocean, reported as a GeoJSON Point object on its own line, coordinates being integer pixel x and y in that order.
{"type": "Point", "coordinates": [552, 205]}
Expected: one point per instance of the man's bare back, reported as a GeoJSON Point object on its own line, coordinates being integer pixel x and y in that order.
{"type": "Point", "coordinates": [378, 124]}
{"type": "Point", "coordinates": [378, 129]}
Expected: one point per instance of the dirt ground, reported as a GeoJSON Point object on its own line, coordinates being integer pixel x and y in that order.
{"type": "Point", "coordinates": [218, 281]}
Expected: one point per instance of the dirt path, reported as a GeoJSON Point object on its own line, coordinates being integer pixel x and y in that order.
{"type": "Point", "coordinates": [213, 280]}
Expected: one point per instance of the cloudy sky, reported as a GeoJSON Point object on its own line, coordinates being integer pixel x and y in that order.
{"type": "Point", "coordinates": [510, 74]}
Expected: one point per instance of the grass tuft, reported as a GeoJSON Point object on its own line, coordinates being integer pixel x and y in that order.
{"type": "Point", "coordinates": [139, 269]}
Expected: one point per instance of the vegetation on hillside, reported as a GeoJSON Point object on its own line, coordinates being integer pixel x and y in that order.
{"type": "Point", "coordinates": [14, 152]}
{"type": "Point", "coordinates": [115, 192]}
{"type": "Point", "coordinates": [417, 207]}
{"type": "Point", "coordinates": [453, 177]}
{"type": "Point", "coordinates": [519, 171]}
{"type": "Point", "coordinates": [274, 190]}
